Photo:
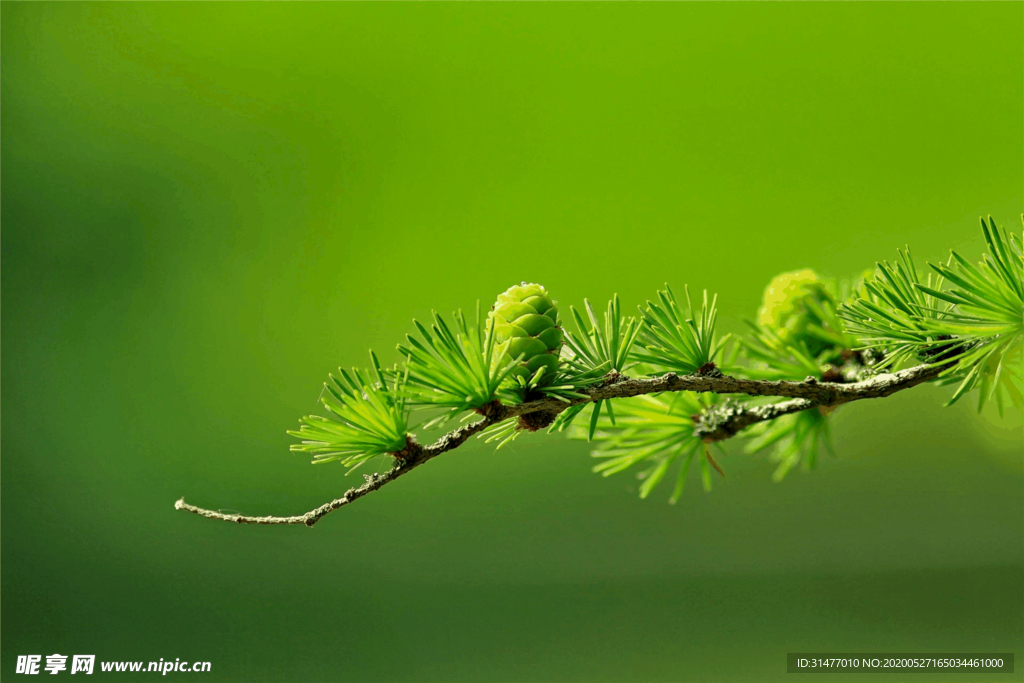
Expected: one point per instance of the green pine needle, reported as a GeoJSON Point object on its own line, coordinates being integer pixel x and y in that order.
{"type": "Point", "coordinates": [970, 318]}
{"type": "Point", "coordinates": [793, 439]}
{"type": "Point", "coordinates": [988, 313]}
{"type": "Point", "coordinates": [605, 345]}
{"type": "Point", "coordinates": [454, 367]}
{"type": "Point", "coordinates": [654, 431]}
{"type": "Point", "coordinates": [595, 351]}
{"type": "Point", "coordinates": [367, 417]}
{"type": "Point", "coordinates": [674, 341]}
{"type": "Point", "coordinates": [504, 432]}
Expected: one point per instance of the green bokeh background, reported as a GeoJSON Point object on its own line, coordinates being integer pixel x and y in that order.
{"type": "Point", "coordinates": [208, 207]}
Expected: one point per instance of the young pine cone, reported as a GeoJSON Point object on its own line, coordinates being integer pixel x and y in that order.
{"type": "Point", "coordinates": [526, 322]}
{"type": "Point", "coordinates": [784, 309]}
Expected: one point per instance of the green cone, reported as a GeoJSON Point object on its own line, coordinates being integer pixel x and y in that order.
{"type": "Point", "coordinates": [526, 322]}
{"type": "Point", "coordinates": [783, 309]}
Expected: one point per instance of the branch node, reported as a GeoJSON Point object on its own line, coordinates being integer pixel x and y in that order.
{"type": "Point", "coordinates": [408, 454]}
{"type": "Point", "coordinates": [709, 370]}
{"type": "Point", "coordinates": [534, 421]}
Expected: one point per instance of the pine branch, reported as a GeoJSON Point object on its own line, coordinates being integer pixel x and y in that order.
{"type": "Point", "coordinates": [727, 420]}
{"type": "Point", "coordinates": [520, 371]}
{"type": "Point", "coordinates": [718, 424]}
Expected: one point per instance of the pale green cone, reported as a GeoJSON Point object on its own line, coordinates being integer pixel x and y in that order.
{"type": "Point", "coordinates": [526, 322]}
{"type": "Point", "coordinates": [783, 308]}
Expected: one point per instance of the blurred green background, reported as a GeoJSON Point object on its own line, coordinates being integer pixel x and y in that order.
{"type": "Point", "coordinates": [208, 207]}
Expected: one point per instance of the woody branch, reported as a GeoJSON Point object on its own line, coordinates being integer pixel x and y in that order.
{"type": "Point", "coordinates": [718, 424]}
